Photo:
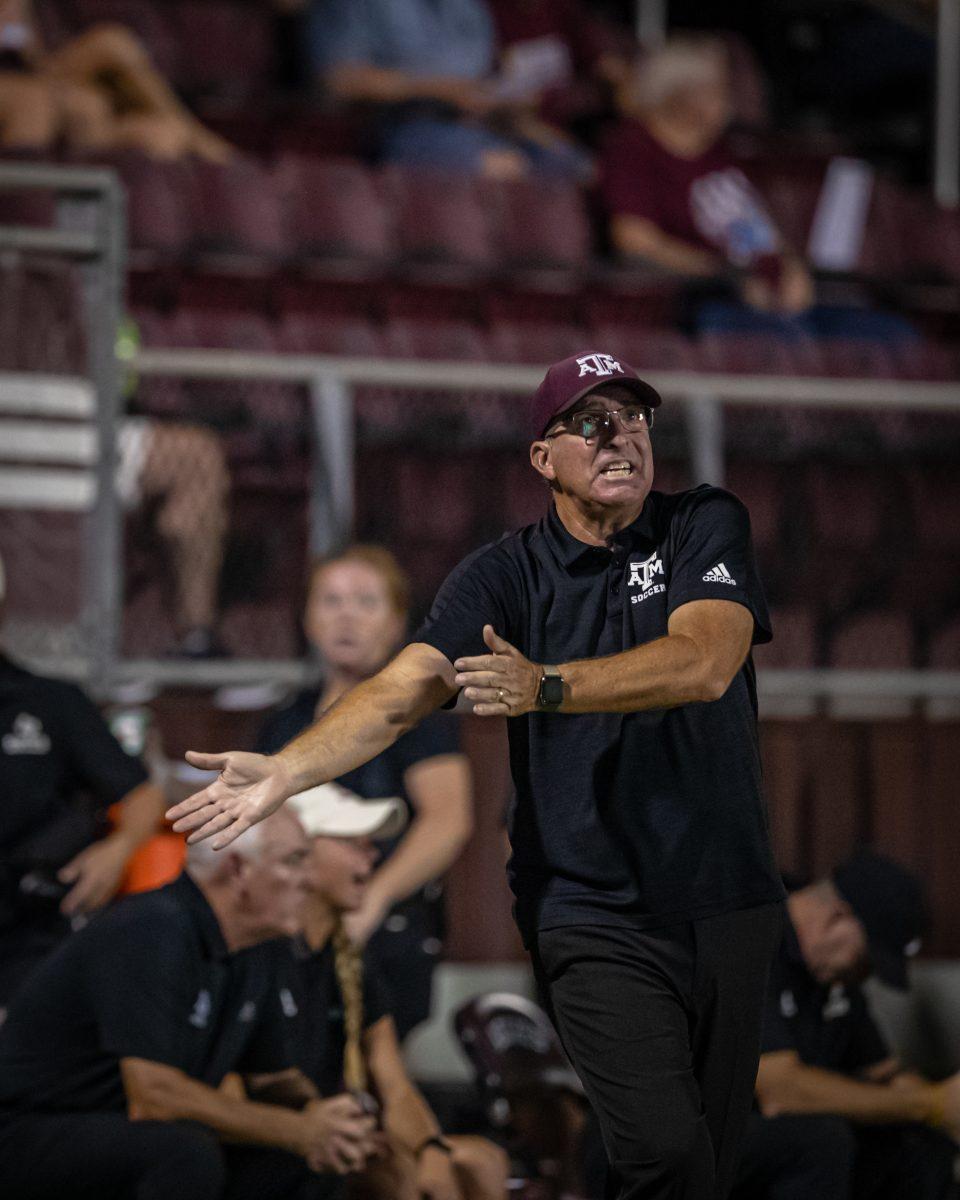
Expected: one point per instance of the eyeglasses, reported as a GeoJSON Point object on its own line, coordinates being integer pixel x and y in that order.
{"type": "Point", "coordinates": [591, 422]}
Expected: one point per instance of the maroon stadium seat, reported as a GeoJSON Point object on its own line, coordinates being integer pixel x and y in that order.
{"type": "Point", "coordinates": [433, 498]}
{"type": "Point", "coordinates": [935, 497]}
{"type": "Point", "coordinates": [759, 354]}
{"type": "Point", "coordinates": [346, 334]}
{"type": "Point", "coordinates": [439, 218]}
{"type": "Point", "coordinates": [847, 506]}
{"type": "Point", "coordinates": [794, 642]}
{"type": "Point", "coordinates": [648, 349]}
{"type": "Point", "coordinates": [535, 341]}
{"type": "Point", "coordinates": [158, 204]}
{"type": "Point", "coordinates": [540, 223]}
{"type": "Point", "coordinates": [237, 209]}
{"type": "Point", "coordinates": [335, 211]}
{"type": "Point", "coordinates": [944, 649]}
{"type": "Point", "coordinates": [760, 487]}
{"type": "Point", "coordinates": [526, 495]}
{"type": "Point", "coordinates": [410, 337]}
{"type": "Point", "coordinates": [858, 358]}
{"type": "Point", "coordinates": [882, 638]}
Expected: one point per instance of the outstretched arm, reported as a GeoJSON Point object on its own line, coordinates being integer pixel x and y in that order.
{"type": "Point", "coordinates": [706, 644]}
{"type": "Point", "coordinates": [358, 727]}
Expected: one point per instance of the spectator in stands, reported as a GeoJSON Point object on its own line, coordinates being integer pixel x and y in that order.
{"type": "Point", "coordinates": [427, 68]}
{"type": "Point", "coordinates": [341, 1027]}
{"type": "Point", "coordinates": [60, 770]}
{"type": "Point", "coordinates": [179, 470]}
{"type": "Point", "coordinates": [112, 1059]}
{"type": "Point", "coordinates": [356, 616]}
{"type": "Point", "coordinates": [838, 1116]}
{"type": "Point", "coordinates": [676, 199]}
{"type": "Point", "coordinates": [98, 91]}
{"type": "Point", "coordinates": [560, 56]}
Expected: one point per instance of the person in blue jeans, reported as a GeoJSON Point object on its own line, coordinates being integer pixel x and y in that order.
{"type": "Point", "coordinates": [426, 68]}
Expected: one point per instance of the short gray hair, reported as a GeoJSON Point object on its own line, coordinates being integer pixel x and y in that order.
{"type": "Point", "coordinates": [678, 65]}
{"type": "Point", "coordinates": [205, 863]}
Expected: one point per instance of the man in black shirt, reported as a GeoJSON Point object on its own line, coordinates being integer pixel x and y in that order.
{"type": "Point", "coordinates": [838, 1118]}
{"type": "Point", "coordinates": [60, 770]}
{"type": "Point", "coordinates": [116, 1056]}
{"type": "Point", "coordinates": [616, 635]}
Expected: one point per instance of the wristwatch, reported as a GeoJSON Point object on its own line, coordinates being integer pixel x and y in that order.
{"type": "Point", "coordinates": [550, 695]}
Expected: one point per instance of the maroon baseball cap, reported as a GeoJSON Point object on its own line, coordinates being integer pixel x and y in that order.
{"type": "Point", "coordinates": [568, 381]}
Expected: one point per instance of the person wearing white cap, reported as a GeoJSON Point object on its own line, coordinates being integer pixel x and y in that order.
{"type": "Point", "coordinates": [355, 616]}
{"type": "Point", "coordinates": [341, 1031]}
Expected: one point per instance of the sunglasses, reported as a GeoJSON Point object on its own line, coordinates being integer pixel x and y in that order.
{"type": "Point", "coordinates": [592, 422]}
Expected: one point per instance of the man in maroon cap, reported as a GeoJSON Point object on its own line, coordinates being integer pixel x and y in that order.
{"type": "Point", "coordinates": [615, 633]}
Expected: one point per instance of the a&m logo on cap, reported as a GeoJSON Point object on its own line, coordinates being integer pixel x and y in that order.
{"type": "Point", "coordinates": [598, 364]}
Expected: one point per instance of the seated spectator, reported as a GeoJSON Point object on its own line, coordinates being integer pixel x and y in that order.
{"type": "Point", "coordinates": [560, 57]}
{"type": "Point", "coordinates": [61, 769]}
{"type": "Point", "coordinates": [180, 471]}
{"type": "Point", "coordinates": [426, 67]}
{"type": "Point", "coordinates": [340, 1021]}
{"type": "Point", "coordinates": [356, 617]}
{"type": "Point", "coordinates": [838, 1117]}
{"type": "Point", "coordinates": [677, 200]}
{"type": "Point", "coordinates": [97, 92]}
{"type": "Point", "coordinates": [113, 1057]}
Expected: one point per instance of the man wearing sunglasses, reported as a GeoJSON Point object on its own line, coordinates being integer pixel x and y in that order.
{"type": "Point", "coordinates": [615, 633]}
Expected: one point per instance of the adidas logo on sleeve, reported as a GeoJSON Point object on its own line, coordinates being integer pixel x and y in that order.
{"type": "Point", "coordinates": [719, 574]}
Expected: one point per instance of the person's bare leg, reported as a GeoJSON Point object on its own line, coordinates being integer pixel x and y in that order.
{"type": "Point", "coordinates": [87, 116]}
{"type": "Point", "coordinates": [482, 1168]}
{"type": "Point", "coordinates": [115, 51]}
{"type": "Point", "coordinates": [29, 116]}
{"type": "Point", "coordinates": [185, 467]}
{"type": "Point", "coordinates": [393, 1177]}
{"type": "Point", "coordinates": [162, 136]}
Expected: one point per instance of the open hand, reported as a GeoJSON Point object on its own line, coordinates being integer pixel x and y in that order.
{"type": "Point", "coordinates": [501, 684]}
{"type": "Point", "coordinates": [249, 788]}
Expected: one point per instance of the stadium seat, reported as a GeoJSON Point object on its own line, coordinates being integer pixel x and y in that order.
{"type": "Point", "coordinates": [408, 337]}
{"type": "Point", "coordinates": [158, 204]}
{"type": "Point", "coordinates": [847, 506]}
{"type": "Point", "coordinates": [540, 224]}
{"type": "Point", "coordinates": [237, 209]}
{"type": "Point", "coordinates": [350, 335]}
{"type": "Point", "coordinates": [526, 496]}
{"type": "Point", "coordinates": [648, 349]}
{"type": "Point", "coordinates": [794, 645]}
{"type": "Point", "coordinates": [858, 358]}
{"type": "Point", "coordinates": [434, 498]}
{"type": "Point", "coordinates": [535, 341]}
{"type": "Point", "coordinates": [336, 214]}
{"type": "Point", "coordinates": [943, 653]}
{"type": "Point", "coordinates": [439, 219]}
{"type": "Point", "coordinates": [880, 639]}
{"type": "Point", "coordinates": [760, 487]}
{"type": "Point", "coordinates": [758, 354]}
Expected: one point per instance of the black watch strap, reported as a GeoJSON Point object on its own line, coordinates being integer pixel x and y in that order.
{"type": "Point", "coordinates": [550, 696]}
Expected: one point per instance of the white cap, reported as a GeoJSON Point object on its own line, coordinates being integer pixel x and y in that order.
{"type": "Point", "coordinates": [330, 810]}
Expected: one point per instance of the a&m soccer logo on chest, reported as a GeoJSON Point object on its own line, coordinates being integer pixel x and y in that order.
{"type": "Point", "coordinates": [648, 577]}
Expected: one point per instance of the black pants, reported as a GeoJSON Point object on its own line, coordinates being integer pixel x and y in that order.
{"type": "Point", "coordinates": [104, 1156]}
{"type": "Point", "coordinates": [794, 1157]}
{"type": "Point", "coordinates": [663, 1028]}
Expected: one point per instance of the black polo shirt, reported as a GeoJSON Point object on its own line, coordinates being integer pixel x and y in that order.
{"type": "Point", "coordinates": [312, 1004]}
{"type": "Point", "coordinates": [643, 819]}
{"type": "Point", "coordinates": [829, 1026]}
{"type": "Point", "coordinates": [385, 774]}
{"type": "Point", "coordinates": [54, 745]}
{"type": "Point", "coordinates": [151, 978]}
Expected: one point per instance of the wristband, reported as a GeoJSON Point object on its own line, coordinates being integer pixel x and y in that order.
{"type": "Point", "coordinates": [437, 1140]}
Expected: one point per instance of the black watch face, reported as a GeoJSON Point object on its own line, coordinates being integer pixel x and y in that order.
{"type": "Point", "coordinates": [551, 690]}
